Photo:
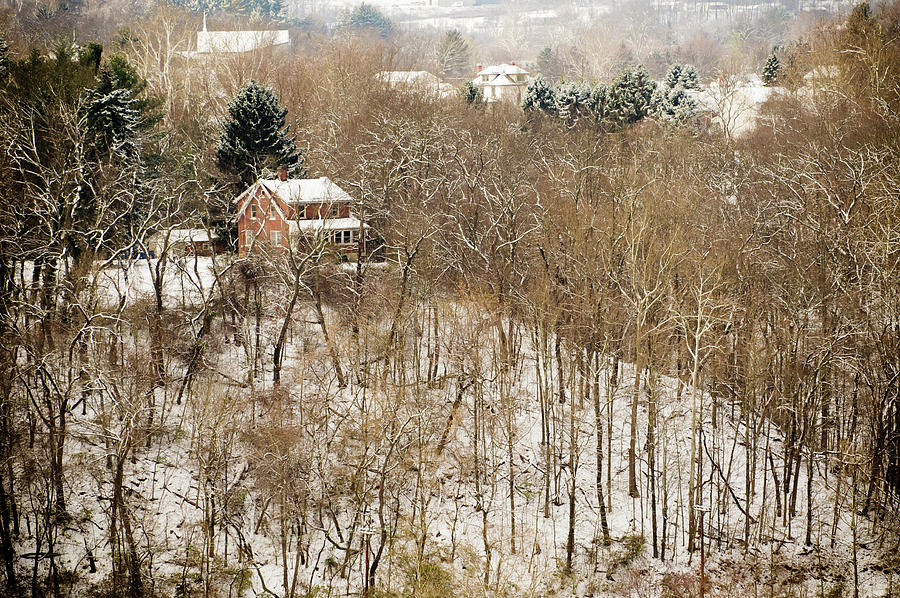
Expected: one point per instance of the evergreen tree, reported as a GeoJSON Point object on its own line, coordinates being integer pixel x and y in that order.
{"type": "Point", "coordinates": [630, 96]}
{"type": "Point", "coordinates": [684, 75]}
{"type": "Point", "coordinates": [472, 94]}
{"type": "Point", "coordinates": [671, 102]}
{"type": "Point", "coordinates": [4, 59]}
{"type": "Point", "coordinates": [539, 96]}
{"type": "Point", "coordinates": [366, 17]}
{"type": "Point", "coordinates": [571, 100]}
{"type": "Point", "coordinates": [118, 73]}
{"type": "Point", "coordinates": [771, 70]}
{"type": "Point", "coordinates": [549, 65]}
{"type": "Point", "coordinates": [597, 102]}
{"type": "Point", "coordinates": [453, 54]}
{"type": "Point", "coordinates": [113, 119]}
{"type": "Point", "coordinates": [255, 136]}
{"type": "Point", "coordinates": [273, 9]}
{"type": "Point", "coordinates": [106, 99]}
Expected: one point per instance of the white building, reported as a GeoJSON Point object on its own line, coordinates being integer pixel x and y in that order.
{"type": "Point", "coordinates": [418, 81]}
{"type": "Point", "coordinates": [503, 82]}
{"type": "Point", "coordinates": [231, 42]}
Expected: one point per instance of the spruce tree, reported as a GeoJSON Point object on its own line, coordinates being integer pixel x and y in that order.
{"type": "Point", "coordinates": [539, 96]}
{"type": "Point", "coordinates": [571, 100]}
{"type": "Point", "coordinates": [549, 64]}
{"type": "Point", "coordinates": [472, 94]}
{"type": "Point", "coordinates": [630, 96]}
{"type": "Point", "coordinates": [597, 102]}
{"type": "Point", "coordinates": [683, 74]}
{"type": "Point", "coordinates": [258, 8]}
{"type": "Point", "coordinates": [366, 17]}
{"type": "Point", "coordinates": [671, 102]}
{"type": "Point", "coordinates": [4, 59]}
{"type": "Point", "coordinates": [770, 70]}
{"type": "Point", "coordinates": [255, 136]}
{"type": "Point", "coordinates": [113, 118]}
{"type": "Point", "coordinates": [453, 54]}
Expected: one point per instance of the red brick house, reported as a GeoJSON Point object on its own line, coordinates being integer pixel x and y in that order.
{"type": "Point", "coordinates": [280, 212]}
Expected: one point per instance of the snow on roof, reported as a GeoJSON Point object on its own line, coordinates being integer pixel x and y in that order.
{"type": "Point", "coordinates": [239, 41]}
{"type": "Point", "coordinates": [501, 80]}
{"type": "Point", "coordinates": [820, 73]}
{"type": "Point", "coordinates": [303, 191]}
{"type": "Point", "coordinates": [418, 80]}
{"type": "Point", "coordinates": [737, 106]}
{"type": "Point", "coordinates": [503, 69]}
{"type": "Point", "coordinates": [189, 235]}
{"type": "Point", "coordinates": [328, 224]}
{"type": "Point", "coordinates": [409, 77]}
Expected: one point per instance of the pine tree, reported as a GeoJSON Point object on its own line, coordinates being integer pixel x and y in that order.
{"type": "Point", "coordinates": [771, 70]}
{"type": "Point", "coordinates": [472, 94]}
{"type": "Point", "coordinates": [683, 74]}
{"type": "Point", "coordinates": [549, 65]}
{"type": "Point", "coordinates": [453, 54]}
{"type": "Point", "coordinates": [367, 17]}
{"type": "Point", "coordinates": [539, 96]}
{"type": "Point", "coordinates": [113, 118]}
{"type": "Point", "coordinates": [258, 8]}
{"type": "Point", "coordinates": [255, 136]}
{"type": "Point", "coordinates": [630, 96]}
{"type": "Point", "coordinates": [597, 102]}
{"type": "Point", "coordinates": [571, 100]}
{"type": "Point", "coordinates": [4, 59]}
{"type": "Point", "coordinates": [671, 102]}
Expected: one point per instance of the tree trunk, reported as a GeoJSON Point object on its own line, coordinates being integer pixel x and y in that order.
{"type": "Point", "coordinates": [598, 423]}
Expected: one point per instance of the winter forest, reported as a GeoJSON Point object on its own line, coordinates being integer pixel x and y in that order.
{"type": "Point", "coordinates": [635, 332]}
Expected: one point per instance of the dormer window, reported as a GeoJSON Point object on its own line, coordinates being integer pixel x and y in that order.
{"type": "Point", "coordinates": [335, 210]}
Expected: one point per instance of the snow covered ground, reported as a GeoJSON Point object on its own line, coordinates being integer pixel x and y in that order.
{"type": "Point", "coordinates": [202, 453]}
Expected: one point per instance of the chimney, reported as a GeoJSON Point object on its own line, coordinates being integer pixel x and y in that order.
{"type": "Point", "coordinates": [512, 64]}
{"type": "Point", "coordinates": [478, 68]}
{"type": "Point", "coordinates": [282, 173]}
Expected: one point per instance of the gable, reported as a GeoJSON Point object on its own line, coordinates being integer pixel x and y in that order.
{"type": "Point", "coordinates": [258, 192]}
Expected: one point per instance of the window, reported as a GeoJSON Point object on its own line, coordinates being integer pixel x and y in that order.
{"type": "Point", "coordinates": [253, 211]}
{"type": "Point", "coordinates": [275, 237]}
{"type": "Point", "coordinates": [248, 237]}
{"type": "Point", "coordinates": [273, 212]}
{"type": "Point", "coordinates": [335, 210]}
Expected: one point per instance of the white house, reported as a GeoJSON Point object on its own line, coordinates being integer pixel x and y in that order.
{"type": "Point", "coordinates": [503, 82]}
{"type": "Point", "coordinates": [233, 42]}
{"type": "Point", "coordinates": [418, 81]}
{"type": "Point", "coordinates": [185, 241]}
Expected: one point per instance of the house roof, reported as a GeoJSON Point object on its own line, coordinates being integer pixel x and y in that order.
{"type": "Point", "coordinates": [239, 41]}
{"type": "Point", "coordinates": [190, 235]}
{"type": "Point", "coordinates": [417, 80]}
{"type": "Point", "coordinates": [409, 77]}
{"type": "Point", "coordinates": [326, 224]}
{"type": "Point", "coordinates": [306, 191]}
{"type": "Point", "coordinates": [503, 69]}
{"type": "Point", "coordinates": [501, 81]}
